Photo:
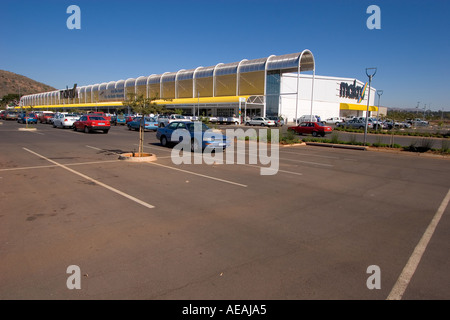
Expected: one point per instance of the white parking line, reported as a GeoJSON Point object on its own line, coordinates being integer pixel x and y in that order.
{"type": "Point", "coordinates": [408, 271]}
{"type": "Point", "coordinates": [308, 154]}
{"type": "Point", "coordinates": [94, 148]}
{"type": "Point", "coordinates": [145, 204]}
{"type": "Point", "coordinates": [53, 165]}
{"type": "Point", "coordinates": [198, 174]}
{"type": "Point", "coordinates": [267, 168]}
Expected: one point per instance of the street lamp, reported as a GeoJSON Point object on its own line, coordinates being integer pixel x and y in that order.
{"type": "Point", "coordinates": [379, 93]}
{"type": "Point", "coordinates": [370, 72]}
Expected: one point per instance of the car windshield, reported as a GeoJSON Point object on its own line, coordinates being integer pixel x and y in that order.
{"type": "Point", "coordinates": [70, 115]}
{"type": "Point", "coordinates": [191, 126]}
{"type": "Point", "coordinates": [96, 118]}
{"type": "Point", "coordinates": [150, 119]}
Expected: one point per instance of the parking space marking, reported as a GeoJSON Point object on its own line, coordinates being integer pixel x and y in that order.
{"type": "Point", "coordinates": [198, 174]}
{"type": "Point", "coordinates": [94, 148]}
{"type": "Point", "coordinates": [143, 203]}
{"type": "Point", "coordinates": [32, 131]}
{"type": "Point", "coordinates": [277, 170]}
{"type": "Point", "coordinates": [308, 154]}
{"type": "Point", "coordinates": [408, 271]}
{"type": "Point", "coordinates": [53, 165]}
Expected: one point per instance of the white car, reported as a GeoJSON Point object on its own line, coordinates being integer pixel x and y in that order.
{"type": "Point", "coordinates": [64, 120]}
{"type": "Point", "coordinates": [307, 118]}
{"type": "Point", "coordinates": [165, 120]}
{"type": "Point", "coordinates": [334, 120]}
{"type": "Point", "coordinates": [260, 121]}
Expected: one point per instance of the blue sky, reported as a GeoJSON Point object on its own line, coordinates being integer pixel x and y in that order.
{"type": "Point", "coordinates": [127, 39]}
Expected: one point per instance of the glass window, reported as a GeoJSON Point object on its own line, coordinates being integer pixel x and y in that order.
{"type": "Point", "coordinates": [273, 93]}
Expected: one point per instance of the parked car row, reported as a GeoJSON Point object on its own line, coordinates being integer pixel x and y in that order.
{"type": "Point", "coordinates": [373, 123]}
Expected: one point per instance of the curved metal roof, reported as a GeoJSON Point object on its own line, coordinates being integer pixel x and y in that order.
{"type": "Point", "coordinates": [300, 61]}
{"type": "Point", "coordinates": [130, 82]}
{"type": "Point", "coordinates": [227, 68]}
{"type": "Point", "coordinates": [120, 84]}
{"type": "Point", "coordinates": [154, 78]}
{"type": "Point", "coordinates": [140, 81]}
{"type": "Point", "coordinates": [253, 65]}
{"type": "Point", "coordinates": [168, 77]}
{"type": "Point", "coordinates": [204, 72]}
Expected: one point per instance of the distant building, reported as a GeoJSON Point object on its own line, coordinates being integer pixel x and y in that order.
{"type": "Point", "coordinates": [276, 85]}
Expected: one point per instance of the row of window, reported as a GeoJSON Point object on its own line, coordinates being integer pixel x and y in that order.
{"type": "Point", "coordinates": [247, 77]}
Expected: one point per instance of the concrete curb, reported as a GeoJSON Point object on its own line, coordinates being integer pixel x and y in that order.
{"type": "Point", "coordinates": [146, 157]}
{"type": "Point", "coordinates": [27, 129]}
{"type": "Point", "coordinates": [341, 146]}
{"type": "Point", "coordinates": [293, 145]}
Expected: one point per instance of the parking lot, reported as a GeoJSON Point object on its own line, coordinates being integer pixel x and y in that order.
{"type": "Point", "coordinates": [163, 231]}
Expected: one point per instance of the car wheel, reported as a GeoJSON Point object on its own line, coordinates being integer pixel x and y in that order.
{"type": "Point", "coordinates": [314, 133]}
{"type": "Point", "coordinates": [262, 124]}
{"type": "Point", "coordinates": [74, 128]}
{"type": "Point", "coordinates": [195, 147]}
{"type": "Point", "coordinates": [361, 127]}
{"type": "Point", "coordinates": [53, 124]}
{"type": "Point", "coordinates": [129, 128]}
{"type": "Point", "coordinates": [105, 131]}
{"type": "Point", "coordinates": [164, 141]}
{"type": "Point", "coordinates": [86, 130]}
{"type": "Point", "coordinates": [247, 124]}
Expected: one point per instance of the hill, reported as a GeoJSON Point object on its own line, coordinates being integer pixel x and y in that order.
{"type": "Point", "coordinates": [12, 83]}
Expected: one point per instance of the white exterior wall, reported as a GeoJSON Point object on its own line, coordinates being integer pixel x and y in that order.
{"type": "Point", "coordinates": [326, 102]}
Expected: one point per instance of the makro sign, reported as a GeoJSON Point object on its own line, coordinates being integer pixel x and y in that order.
{"type": "Point", "coordinates": [351, 91]}
{"type": "Point", "coordinates": [69, 93]}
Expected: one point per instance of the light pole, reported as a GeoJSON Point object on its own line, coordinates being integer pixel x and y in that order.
{"type": "Point", "coordinates": [370, 72]}
{"type": "Point", "coordinates": [379, 93]}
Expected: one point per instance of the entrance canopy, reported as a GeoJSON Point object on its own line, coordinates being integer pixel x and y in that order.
{"type": "Point", "coordinates": [356, 107]}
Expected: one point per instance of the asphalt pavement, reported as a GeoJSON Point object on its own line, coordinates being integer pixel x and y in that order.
{"type": "Point", "coordinates": [162, 231]}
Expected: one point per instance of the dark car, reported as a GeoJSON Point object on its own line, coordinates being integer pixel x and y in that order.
{"type": "Point", "coordinates": [314, 128]}
{"type": "Point", "coordinates": [210, 139]}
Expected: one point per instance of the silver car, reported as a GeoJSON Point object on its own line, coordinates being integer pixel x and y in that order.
{"type": "Point", "coordinates": [356, 123]}
{"type": "Point", "coordinates": [64, 120]}
{"type": "Point", "coordinates": [260, 121]}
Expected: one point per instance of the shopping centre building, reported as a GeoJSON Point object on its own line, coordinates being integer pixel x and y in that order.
{"type": "Point", "coordinates": [284, 85]}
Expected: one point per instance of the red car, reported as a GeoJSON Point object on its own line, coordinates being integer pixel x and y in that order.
{"type": "Point", "coordinates": [45, 117]}
{"type": "Point", "coordinates": [314, 128]}
{"type": "Point", "coordinates": [89, 123]}
{"type": "Point", "coordinates": [101, 114]}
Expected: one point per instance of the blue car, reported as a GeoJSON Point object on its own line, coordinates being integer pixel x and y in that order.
{"type": "Point", "coordinates": [150, 123]}
{"type": "Point", "coordinates": [24, 118]}
{"type": "Point", "coordinates": [210, 139]}
{"type": "Point", "coordinates": [120, 119]}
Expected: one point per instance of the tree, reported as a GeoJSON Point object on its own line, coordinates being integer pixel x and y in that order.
{"type": "Point", "coordinates": [143, 106]}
